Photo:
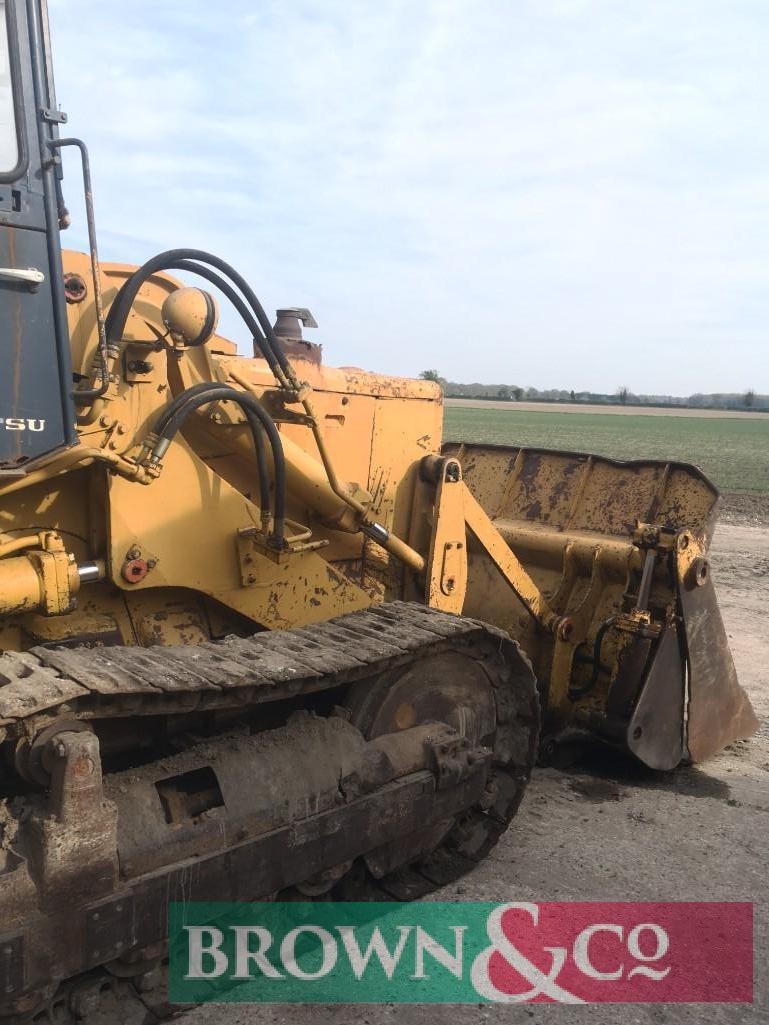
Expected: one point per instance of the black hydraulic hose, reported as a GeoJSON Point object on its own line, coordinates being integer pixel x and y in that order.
{"type": "Point", "coordinates": [226, 289]}
{"type": "Point", "coordinates": [254, 423]}
{"type": "Point", "coordinates": [121, 307]}
{"type": "Point", "coordinates": [579, 692]}
{"type": "Point", "coordinates": [180, 400]}
{"type": "Point", "coordinates": [257, 417]}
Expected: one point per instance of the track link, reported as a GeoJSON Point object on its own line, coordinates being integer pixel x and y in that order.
{"type": "Point", "coordinates": [105, 682]}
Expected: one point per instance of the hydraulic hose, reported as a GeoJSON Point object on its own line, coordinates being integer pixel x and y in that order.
{"type": "Point", "coordinates": [258, 418]}
{"type": "Point", "coordinates": [181, 400]}
{"type": "Point", "coordinates": [585, 688]}
{"type": "Point", "coordinates": [226, 289]}
{"type": "Point", "coordinates": [191, 259]}
{"type": "Point", "coordinates": [255, 424]}
{"type": "Point", "coordinates": [121, 307]}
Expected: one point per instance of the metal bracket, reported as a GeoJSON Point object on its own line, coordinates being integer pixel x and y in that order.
{"type": "Point", "coordinates": [652, 535]}
{"type": "Point", "coordinates": [446, 576]}
{"type": "Point", "coordinates": [253, 542]}
{"type": "Point", "coordinates": [53, 117]}
{"type": "Point", "coordinates": [109, 929]}
{"type": "Point", "coordinates": [454, 759]}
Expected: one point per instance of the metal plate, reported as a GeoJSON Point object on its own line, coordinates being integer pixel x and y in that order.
{"type": "Point", "coordinates": [719, 709]}
{"type": "Point", "coordinates": [109, 929]}
{"type": "Point", "coordinates": [655, 733]}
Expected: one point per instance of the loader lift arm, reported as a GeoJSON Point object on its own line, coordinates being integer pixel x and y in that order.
{"type": "Point", "coordinates": [456, 510]}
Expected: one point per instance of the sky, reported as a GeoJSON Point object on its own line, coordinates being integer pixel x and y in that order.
{"type": "Point", "coordinates": [560, 194]}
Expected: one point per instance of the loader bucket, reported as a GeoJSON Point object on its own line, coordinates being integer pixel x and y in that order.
{"type": "Point", "coordinates": [620, 549]}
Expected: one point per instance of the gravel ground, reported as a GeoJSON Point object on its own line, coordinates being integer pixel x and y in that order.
{"type": "Point", "coordinates": [608, 830]}
{"type": "Point", "coordinates": [744, 510]}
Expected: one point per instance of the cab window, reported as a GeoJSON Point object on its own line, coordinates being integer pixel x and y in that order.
{"type": "Point", "coordinates": [9, 142]}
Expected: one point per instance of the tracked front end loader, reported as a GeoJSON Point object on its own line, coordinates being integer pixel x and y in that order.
{"type": "Point", "coordinates": [259, 634]}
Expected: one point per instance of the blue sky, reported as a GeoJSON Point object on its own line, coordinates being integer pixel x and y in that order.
{"type": "Point", "coordinates": [565, 193]}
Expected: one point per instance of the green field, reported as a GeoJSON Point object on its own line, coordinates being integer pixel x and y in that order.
{"type": "Point", "coordinates": [733, 452]}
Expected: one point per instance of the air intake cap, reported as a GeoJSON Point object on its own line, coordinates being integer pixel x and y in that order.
{"type": "Point", "coordinates": [191, 316]}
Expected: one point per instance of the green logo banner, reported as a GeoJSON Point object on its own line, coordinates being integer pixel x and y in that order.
{"type": "Point", "coordinates": [427, 952]}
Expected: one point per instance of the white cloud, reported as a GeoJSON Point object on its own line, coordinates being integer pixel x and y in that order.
{"type": "Point", "coordinates": [567, 194]}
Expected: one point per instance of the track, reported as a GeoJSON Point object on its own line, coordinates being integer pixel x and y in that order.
{"type": "Point", "coordinates": [452, 788]}
{"type": "Point", "coordinates": [101, 683]}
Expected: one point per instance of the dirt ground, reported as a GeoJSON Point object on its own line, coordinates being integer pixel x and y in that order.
{"type": "Point", "coordinates": [607, 830]}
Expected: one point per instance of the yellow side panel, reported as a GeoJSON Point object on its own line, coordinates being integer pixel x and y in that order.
{"type": "Point", "coordinates": [187, 523]}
